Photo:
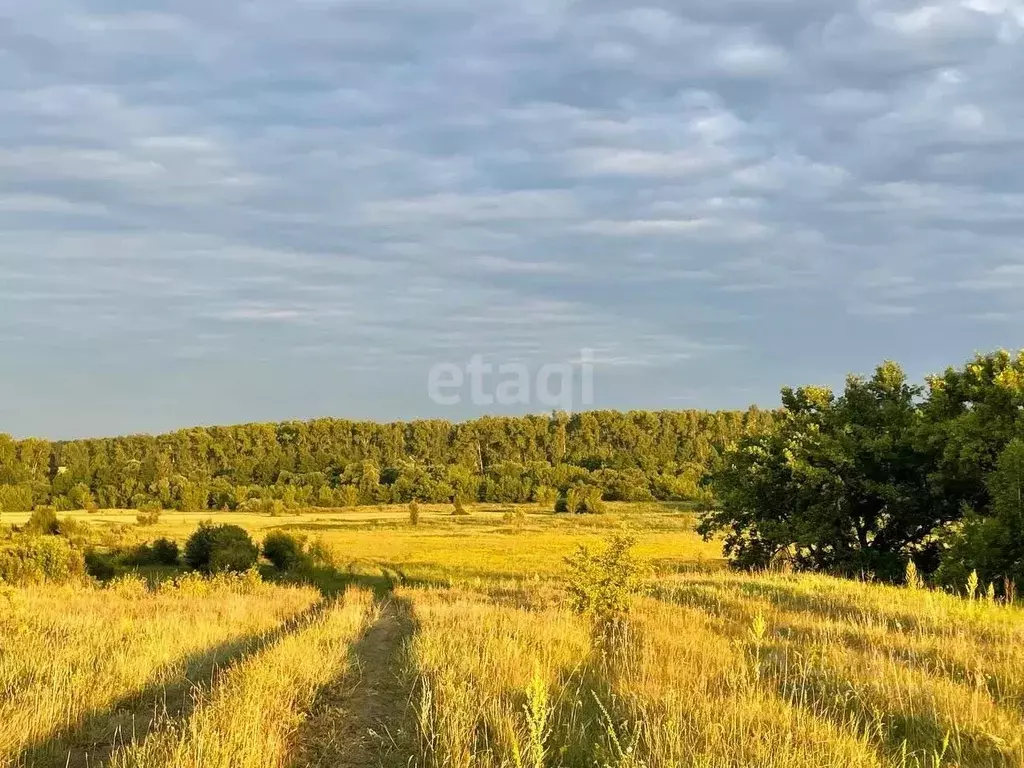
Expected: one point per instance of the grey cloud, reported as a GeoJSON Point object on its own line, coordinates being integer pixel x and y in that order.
{"type": "Point", "coordinates": [374, 184]}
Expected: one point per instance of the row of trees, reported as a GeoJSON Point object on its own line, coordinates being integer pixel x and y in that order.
{"type": "Point", "coordinates": [333, 462]}
{"type": "Point", "coordinates": [886, 473]}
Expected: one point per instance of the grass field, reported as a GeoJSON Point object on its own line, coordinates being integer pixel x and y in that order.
{"type": "Point", "coordinates": [454, 645]}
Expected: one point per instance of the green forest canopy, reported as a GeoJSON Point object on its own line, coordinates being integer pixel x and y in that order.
{"type": "Point", "coordinates": [334, 462]}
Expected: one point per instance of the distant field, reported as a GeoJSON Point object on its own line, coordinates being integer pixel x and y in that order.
{"type": "Point", "coordinates": [441, 546]}
{"type": "Point", "coordinates": [472, 657]}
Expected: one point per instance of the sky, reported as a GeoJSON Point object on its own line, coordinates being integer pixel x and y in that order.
{"type": "Point", "coordinates": [233, 211]}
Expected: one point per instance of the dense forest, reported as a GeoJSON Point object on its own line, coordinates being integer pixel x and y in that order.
{"type": "Point", "coordinates": [885, 475]}
{"type": "Point", "coordinates": [637, 455]}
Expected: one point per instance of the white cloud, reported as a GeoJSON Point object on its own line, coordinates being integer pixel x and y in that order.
{"type": "Point", "coordinates": [750, 59]}
{"type": "Point", "coordinates": [646, 226]}
{"type": "Point", "coordinates": [637, 162]}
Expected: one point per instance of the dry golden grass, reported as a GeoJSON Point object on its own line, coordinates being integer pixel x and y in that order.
{"type": "Point", "coordinates": [68, 653]}
{"type": "Point", "coordinates": [481, 545]}
{"type": "Point", "coordinates": [246, 719]}
{"type": "Point", "coordinates": [713, 669]}
{"type": "Point", "coordinates": [726, 670]}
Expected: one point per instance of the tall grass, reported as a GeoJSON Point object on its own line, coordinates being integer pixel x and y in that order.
{"type": "Point", "coordinates": [67, 652]}
{"type": "Point", "coordinates": [724, 670]}
{"type": "Point", "coordinates": [709, 669]}
{"type": "Point", "coordinates": [247, 718]}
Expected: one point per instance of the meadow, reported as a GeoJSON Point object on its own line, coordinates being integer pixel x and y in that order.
{"type": "Point", "coordinates": [454, 643]}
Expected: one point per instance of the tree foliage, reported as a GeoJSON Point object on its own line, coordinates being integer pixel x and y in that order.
{"type": "Point", "coordinates": [219, 548]}
{"type": "Point", "coordinates": [283, 550]}
{"type": "Point", "coordinates": [601, 585]}
{"type": "Point", "coordinates": [882, 474]}
{"type": "Point", "coordinates": [333, 462]}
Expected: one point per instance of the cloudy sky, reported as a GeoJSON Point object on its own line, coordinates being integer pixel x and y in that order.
{"type": "Point", "coordinates": [214, 212]}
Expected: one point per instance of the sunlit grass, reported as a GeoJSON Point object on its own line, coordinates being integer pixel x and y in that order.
{"type": "Point", "coordinates": [69, 652]}
{"type": "Point", "coordinates": [713, 668]}
{"type": "Point", "coordinates": [248, 717]}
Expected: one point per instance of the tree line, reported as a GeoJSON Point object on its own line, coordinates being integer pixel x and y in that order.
{"type": "Point", "coordinates": [634, 455]}
{"type": "Point", "coordinates": [885, 474]}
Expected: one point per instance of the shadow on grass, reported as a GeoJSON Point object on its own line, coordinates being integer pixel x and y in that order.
{"type": "Point", "coordinates": [925, 737]}
{"type": "Point", "coordinates": [793, 670]}
{"type": "Point", "coordinates": [93, 738]}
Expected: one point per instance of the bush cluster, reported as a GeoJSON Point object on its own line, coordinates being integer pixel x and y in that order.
{"type": "Point", "coordinates": [40, 559]}
{"type": "Point", "coordinates": [149, 514]}
{"type": "Point", "coordinates": [219, 548]}
{"type": "Point", "coordinates": [285, 551]}
{"type": "Point", "coordinates": [580, 500]}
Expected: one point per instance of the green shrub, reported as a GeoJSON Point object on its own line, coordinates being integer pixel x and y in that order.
{"type": "Point", "coordinates": [592, 502]}
{"type": "Point", "coordinates": [165, 552]}
{"type": "Point", "coordinates": [160, 552]}
{"type": "Point", "coordinates": [35, 560]}
{"type": "Point", "coordinates": [515, 517]}
{"type": "Point", "coordinates": [349, 495]}
{"type": "Point", "coordinates": [601, 585]}
{"type": "Point", "coordinates": [218, 548]}
{"type": "Point", "coordinates": [272, 507]}
{"type": "Point", "coordinates": [322, 553]}
{"type": "Point", "coordinates": [100, 565]}
{"type": "Point", "coordinates": [16, 498]}
{"type": "Point", "coordinates": [545, 495]}
{"type": "Point", "coordinates": [581, 499]}
{"type": "Point", "coordinates": [414, 513]}
{"type": "Point", "coordinates": [70, 528]}
{"type": "Point", "coordinates": [149, 514]}
{"type": "Point", "coordinates": [43, 522]}
{"type": "Point", "coordinates": [284, 550]}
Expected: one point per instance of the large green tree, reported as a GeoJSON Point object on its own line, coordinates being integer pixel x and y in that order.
{"type": "Point", "coordinates": [838, 483]}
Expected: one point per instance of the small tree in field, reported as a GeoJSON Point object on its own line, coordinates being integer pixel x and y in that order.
{"type": "Point", "coordinates": [580, 500]}
{"type": "Point", "coordinates": [43, 521]}
{"type": "Point", "coordinates": [545, 495]}
{"type": "Point", "coordinates": [414, 513]}
{"type": "Point", "coordinates": [601, 585]}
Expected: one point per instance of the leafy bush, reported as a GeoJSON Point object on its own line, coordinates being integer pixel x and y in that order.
{"type": "Point", "coordinates": [324, 554]}
{"type": "Point", "coordinates": [592, 502]}
{"type": "Point", "coordinates": [149, 514]}
{"type": "Point", "coordinates": [414, 513]}
{"type": "Point", "coordinates": [160, 552]}
{"type": "Point", "coordinates": [15, 498]}
{"type": "Point", "coordinates": [349, 495]}
{"type": "Point", "coordinates": [581, 499]}
{"type": "Point", "coordinates": [34, 560]}
{"type": "Point", "coordinates": [284, 550]}
{"type": "Point", "coordinates": [601, 585]}
{"type": "Point", "coordinates": [100, 565]}
{"type": "Point", "coordinates": [218, 548]}
{"type": "Point", "coordinates": [272, 507]}
{"type": "Point", "coordinates": [43, 522]}
{"type": "Point", "coordinates": [70, 528]}
{"type": "Point", "coordinates": [515, 517]}
{"type": "Point", "coordinates": [165, 552]}
{"type": "Point", "coordinates": [545, 495]}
